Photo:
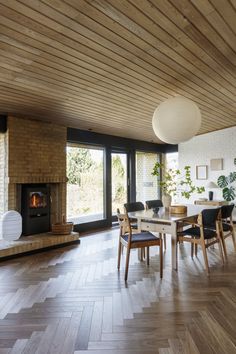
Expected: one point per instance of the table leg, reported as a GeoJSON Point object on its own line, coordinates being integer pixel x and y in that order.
{"type": "Point", "coordinates": [140, 250]}
{"type": "Point", "coordinates": [174, 246]}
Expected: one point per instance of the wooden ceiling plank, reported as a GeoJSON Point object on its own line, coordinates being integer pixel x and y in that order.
{"type": "Point", "coordinates": [123, 60]}
{"type": "Point", "coordinates": [106, 65]}
{"type": "Point", "coordinates": [110, 108]}
{"type": "Point", "coordinates": [68, 93]}
{"type": "Point", "coordinates": [90, 121]}
{"type": "Point", "coordinates": [204, 114]}
{"type": "Point", "coordinates": [189, 49]}
{"type": "Point", "coordinates": [105, 21]}
{"type": "Point", "coordinates": [130, 11]}
{"type": "Point", "coordinates": [84, 67]}
{"type": "Point", "coordinates": [134, 73]}
{"type": "Point", "coordinates": [225, 118]}
{"type": "Point", "coordinates": [216, 20]}
{"type": "Point", "coordinates": [67, 114]}
{"type": "Point", "coordinates": [189, 11]}
{"type": "Point", "coordinates": [150, 34]}
{"type": "Point", "coordinates": [215, 120]}
{"type": "Point", "coordinates": [227, 10]}
{"type": "Point", "coordinates": [178, 18]}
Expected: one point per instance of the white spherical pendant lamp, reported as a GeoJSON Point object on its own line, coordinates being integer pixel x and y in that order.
{"type": "Point", "coordinates": [176, 120]}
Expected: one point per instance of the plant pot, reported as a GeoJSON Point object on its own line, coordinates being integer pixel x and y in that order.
{"type": "Point", "coordinates": [166, 200]}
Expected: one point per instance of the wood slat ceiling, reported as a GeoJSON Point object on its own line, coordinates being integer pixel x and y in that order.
{"type": "Point", "coordinates": [105, 65]}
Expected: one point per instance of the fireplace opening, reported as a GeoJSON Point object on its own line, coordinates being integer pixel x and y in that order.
{"type": "Point", "coordinates": [38, 200]}
{"type": "Point", "coordinates": [35, 208]}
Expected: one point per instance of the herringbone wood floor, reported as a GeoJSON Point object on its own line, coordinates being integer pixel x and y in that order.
{"type": "Point", "coordinates": [73, 300]}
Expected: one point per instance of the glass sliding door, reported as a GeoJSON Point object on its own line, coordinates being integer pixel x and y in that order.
{"type": "Point", "coordinates": [85, 186]}
{"type": "Point", "coordinates": [146, 184]}
{"type": "Point", "coordinates": [172, 160]}
{"type": "Point", "coordinates": [119, 181]}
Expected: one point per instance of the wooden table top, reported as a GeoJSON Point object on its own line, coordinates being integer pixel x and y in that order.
{"type": "Point", "coordinates": [164, 215]}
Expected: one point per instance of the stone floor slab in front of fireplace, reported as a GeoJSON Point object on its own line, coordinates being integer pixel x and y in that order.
{"type": "Point", "coordinates": [35, 243]}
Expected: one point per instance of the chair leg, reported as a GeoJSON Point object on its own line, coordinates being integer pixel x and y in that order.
{"type": "Point", "coordinates": [161, 259]}
{"type": "Point", "coordinates": [220, 249]}
{"type": "Point", "coordinates": [142, 252]}
{"type": "Point", "coordinates": [195, 250]}
{"type": "Point", "coordinates": [120, 248]}
{"type": "Point", "coordinates": [222, 239]}
{"type": "Point", "coordinates": [205, 257]}
{"type": "Point", "coordinates": [233, 238]}
{"type": "Point", "coordinates": [192, 248]}
{"type": "Point", "coordinates": [147, 257]}
{"type": "Point", "coordinates": [127, 263]}
{"type": "Point", "coordinates": [164, 238]}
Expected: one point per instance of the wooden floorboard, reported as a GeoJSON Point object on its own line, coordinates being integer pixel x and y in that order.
{"type": "Point", "coordinates": [73, 300]}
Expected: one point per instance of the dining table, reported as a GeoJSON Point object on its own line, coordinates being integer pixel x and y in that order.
{"type": "Point", "coordinates": [165, 222]}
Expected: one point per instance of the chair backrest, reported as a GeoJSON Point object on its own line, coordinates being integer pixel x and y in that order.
{"type": "Point", "coordinates": [156, 203]}
{"type": "Point", "coordinates": [226, 211]}
{"type": "Point", "coordinates": [134, 206]}
{"type": "Point", "coordinates": [210, 216]}
{"type": "Point", "coordinates": [124, 223]}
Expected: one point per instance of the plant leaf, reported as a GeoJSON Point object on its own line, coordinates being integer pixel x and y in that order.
{"type": "Point", "coordinates": [222, 182]}
{"type": "Point", "coordinates": [229, 194]}
{"type": "Point", "coordinates": [232, 177]}
{"type": "Point", "coordinates": [235, 161]}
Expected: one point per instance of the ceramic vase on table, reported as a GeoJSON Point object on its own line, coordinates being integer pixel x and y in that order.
{"type": "Point", "coordinates": [166, 200]}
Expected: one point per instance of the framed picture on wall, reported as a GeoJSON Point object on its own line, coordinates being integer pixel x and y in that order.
{"type": "Point", "coordinates": [216, 164]}
{"type": "Point", "coordinates": [201, 172]}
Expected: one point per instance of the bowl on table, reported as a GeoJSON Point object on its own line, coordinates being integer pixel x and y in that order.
{"type": "Point", "coordinates": [155, 210]}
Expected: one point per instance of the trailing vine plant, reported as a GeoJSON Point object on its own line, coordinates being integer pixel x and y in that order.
{"type": "Point", "coordinates": [173, 181]}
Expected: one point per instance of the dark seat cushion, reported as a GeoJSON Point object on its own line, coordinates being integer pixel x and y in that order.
{"type": "Point", "coordinates": [195, 232]}
{"type": "Point", "coordinates": [226, 227]}
{"type": "Point", "coordinates": [141, 237]}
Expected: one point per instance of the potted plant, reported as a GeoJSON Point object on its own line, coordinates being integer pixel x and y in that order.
{"type": "Point", "coordinates": [173, 182]}
{"type": "Point", "coordinates": [168, 182]}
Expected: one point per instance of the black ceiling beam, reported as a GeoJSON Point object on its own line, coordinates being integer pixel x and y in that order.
{"type": "Point", "coordinates": [116, 142]}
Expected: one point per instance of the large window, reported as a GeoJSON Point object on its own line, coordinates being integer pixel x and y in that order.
{"type": "Point", "coordinates": [104, 172]}
{"type": "Point", "coordinates": [172, 160]}
{"type": "Point", "coordinates": [85, 187]}
{"type": "Point", "coordinates": [119, 181]}
{"type": "Point", "coordinates": [146, 184]}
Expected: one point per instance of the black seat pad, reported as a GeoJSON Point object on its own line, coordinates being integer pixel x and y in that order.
{"type": "Point", "coordinates": [141, 237]}
{"type": "Point", "coordinates": [195, 232]}
{"type": "Point", "coordinates": [226, 227]}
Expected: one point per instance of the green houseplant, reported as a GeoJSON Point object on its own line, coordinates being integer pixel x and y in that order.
{"type": "Point", "coordinates": [226, 184]}
{"type": "Point", "coordinates": [174, 181]}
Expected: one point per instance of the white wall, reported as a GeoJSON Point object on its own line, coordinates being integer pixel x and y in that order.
{"type": "Point", "coordinates": [201, 149]}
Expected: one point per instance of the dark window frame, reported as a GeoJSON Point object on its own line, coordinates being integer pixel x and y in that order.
{"type": "Point", "coordinates": [114, 144]}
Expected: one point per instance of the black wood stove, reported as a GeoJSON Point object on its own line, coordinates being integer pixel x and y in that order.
{"type": "Point", "coordinates": [35, 208]}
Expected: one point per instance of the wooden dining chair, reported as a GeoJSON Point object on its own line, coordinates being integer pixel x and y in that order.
{"type": "Point", "coordinates": [130, 207]}
{"type": "Point", "coordinates": [133, 206]}
{"type": "Point", "coordinates": [156, 203]}
{"type": "Point", "coordinates": [227, 226]}
{"type": "Point", "coordinates": [137, 240]}
{"type": "Point", "coordinates": [203, 234]}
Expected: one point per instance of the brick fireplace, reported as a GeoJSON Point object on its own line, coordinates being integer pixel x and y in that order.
{"type": "Point", "coordinates": [33, 152]}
